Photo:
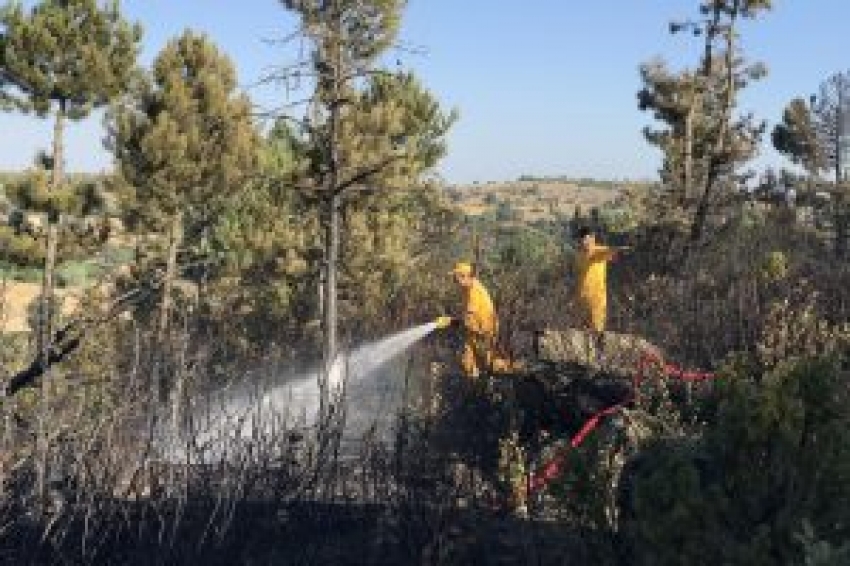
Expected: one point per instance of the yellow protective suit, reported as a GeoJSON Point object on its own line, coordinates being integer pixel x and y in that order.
{"type": "Point", "coordinates": [481, 327]}
{"type": "Point", "coordinates": [592, 267]}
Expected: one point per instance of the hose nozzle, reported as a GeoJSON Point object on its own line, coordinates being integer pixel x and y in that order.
{"type": "Point", "coordinates": [443, 322]}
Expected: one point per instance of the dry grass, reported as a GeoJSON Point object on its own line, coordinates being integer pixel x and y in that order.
{"type": "Point", "coordinates": [18, 298]}
{"type": "Point", "coordinates": [532, 200]}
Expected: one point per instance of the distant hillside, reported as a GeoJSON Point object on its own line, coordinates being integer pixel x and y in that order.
{"type": "Point", "coordinates": [530, 199]}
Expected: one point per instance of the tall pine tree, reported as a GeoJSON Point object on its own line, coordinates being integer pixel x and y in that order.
{"type": "Point", "coordinates": [797, 137]}
{"type": "Point", "coordinates": [359, 137]}
{"type": "Point", "coordinates": [63, 58]}
{"type": "Point", "coordinates": [185, 143]}
{"type": "Point", "coordinates": [703, 140]}
{"type": "Point", "coordinates": [347, 37]}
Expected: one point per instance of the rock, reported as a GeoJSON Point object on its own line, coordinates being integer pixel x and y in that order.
{"type": "Point", "coordinates": [620, 354]}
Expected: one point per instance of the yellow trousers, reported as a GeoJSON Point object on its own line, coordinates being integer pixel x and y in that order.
{"type": "Point", "coordinates": [594, 312]}
{"type": "Point", "coordinates": [479, 354]}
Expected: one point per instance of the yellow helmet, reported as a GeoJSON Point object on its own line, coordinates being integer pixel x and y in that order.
{"type": "Point", "coordinates": [462, 268]}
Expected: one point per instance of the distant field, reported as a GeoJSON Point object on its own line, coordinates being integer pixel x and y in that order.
{"type": "Point", "coordinates": [23, 285]}
{"type": "Point", "coordinates": [18, 297]}
{"type": "Point", "coordinates": [531, 200]}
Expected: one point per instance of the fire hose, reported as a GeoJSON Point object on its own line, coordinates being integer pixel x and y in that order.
{"type": "Point", "coordinates": [553, 467]}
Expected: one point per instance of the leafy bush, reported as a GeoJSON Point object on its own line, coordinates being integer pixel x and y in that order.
{"type": "Point", "coordinates": [76, 273]}
{"type": "Point", "coordinates": [817, 552]}
{"type": "Point", "coordinates": [22, 250]}
{"type": "Point", "coordinates": [16, 273]}
{"type": "Point", "coordinates": [776, 458]}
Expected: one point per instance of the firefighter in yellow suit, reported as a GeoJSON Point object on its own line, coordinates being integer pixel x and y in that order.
{"type": "Point", "coordinates": [480, 325]}
{"type": "Point", "coordinates": [591, 286]}
{"type": "Point", "coordinates": [591, 266]}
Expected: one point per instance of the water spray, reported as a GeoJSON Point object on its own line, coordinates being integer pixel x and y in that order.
{"type": "Point", "coordinates": [367, 393]}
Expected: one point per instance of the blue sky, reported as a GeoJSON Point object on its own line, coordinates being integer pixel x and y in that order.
{"type": "Point", "coordinates": [543, 87]}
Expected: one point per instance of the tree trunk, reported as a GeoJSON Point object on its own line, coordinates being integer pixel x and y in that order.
{"type": "Point", "coordinates": [175, 238]}
{"type": "Point", "coordinates": [329, 302]}
{"type": "Point", "coordinates": [689, 151]}
{"type": "Point", "coordinates": [47, 284]}
{"type": "Point", "coordinates": [332, 230]}
{"type": "Point", "coordinates": [332, 240]}
{"type": "Point", "coordinates": [841, 220]}
{"type": "Point", "coordinates": [700, 85]}
{"type": "Point", "coordinates": [46, 318]}
{"type": "Point", "coordinates": [698, 226]}
{"type": "Point", "coordinates": [178, 396]}
{"type": "Point", "coordinates": [839, 132]}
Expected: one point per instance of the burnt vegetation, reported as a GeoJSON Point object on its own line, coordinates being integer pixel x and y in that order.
{"type": "Point", "coordinates": [226, 257]}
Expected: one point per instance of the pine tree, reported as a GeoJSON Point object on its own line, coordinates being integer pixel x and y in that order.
{"type": "Point", "coordinates": [817, 135]}
{"type": "Point", "coordinates": [31, 193]}
{"type": "Point", "coordinates": [266, 243]}
{"type": "Point", "coordinates": [703, 141]}
{"type": "Point", "coordinates": [270, 239]}
{"type": "Point", "coordinates": [63, 58]}
{"type": "Point", "coordinates": [797, 137]}
{"type": "Point", "coordinates": [358, 138]}
{"type": "Point", "coordinates": [831, 108]}
{"type": "Point", "coordinates": [185, 143]}
{"type": "Point", "coordinates": [671, 96]}
{"type": "Point", "coordinates": [395, 116]}
{"type": "Point", "coordinates": [347, 38]}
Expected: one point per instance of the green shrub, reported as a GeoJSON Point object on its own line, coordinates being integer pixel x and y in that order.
{"type": "Point", "coordinates": [23, 249]}
{"type": "Point", "coordinates": [817, 552]}
{"type": "Point", "coordinates": [76, 273]}
{"type": "Point", "coordinates": [776, 457]}
{"type": "Point", "coordinates": [17, 273]}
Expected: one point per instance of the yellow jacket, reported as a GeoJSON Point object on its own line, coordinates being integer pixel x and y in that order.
{"type": "Point", "coordinates": [479, 313]}
{"type": "Point", "coordinates": [592, 267]}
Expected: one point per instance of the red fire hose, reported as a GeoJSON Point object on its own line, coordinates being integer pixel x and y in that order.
{"type": "Point", "coordinates": [553, 467]}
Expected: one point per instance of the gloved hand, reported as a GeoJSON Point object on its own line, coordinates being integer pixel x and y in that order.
{"type": "Point", "coordinates": [444, 322]}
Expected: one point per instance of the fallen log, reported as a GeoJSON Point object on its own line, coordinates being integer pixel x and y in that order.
{"type": "Point", "coordinates": [613, 354]}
